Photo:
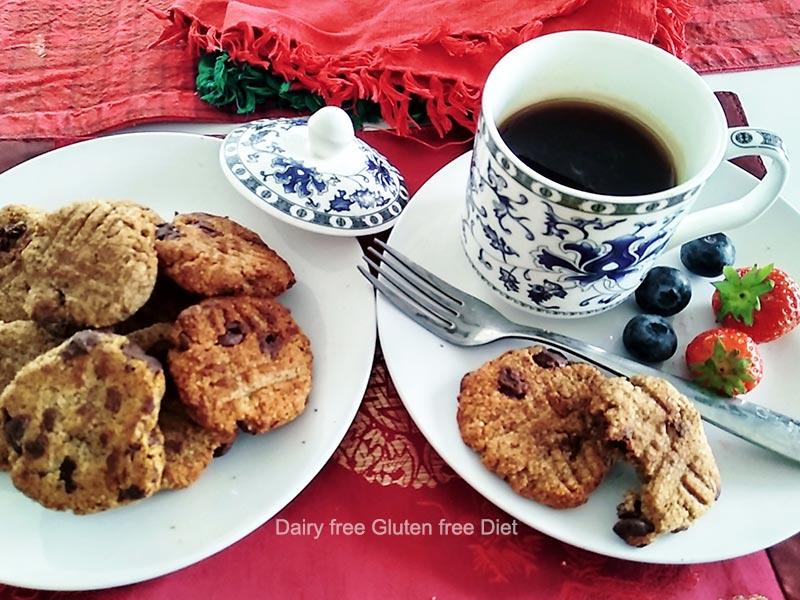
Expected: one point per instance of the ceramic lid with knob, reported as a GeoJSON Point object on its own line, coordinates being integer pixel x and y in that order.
{"type": "Point", "coordinates": [313, 172]}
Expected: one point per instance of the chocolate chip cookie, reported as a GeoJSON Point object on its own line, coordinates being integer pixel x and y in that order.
{"type": "Point", "coordinates": [90, 264]}
{"type": "Point", "coordinates": [153, 339]}
{"type": "Point", "coordinates": [526, 414]}
{"type": "Point", "coordinates": [20, 343]}
{"type": "Point", "coordinates": [163, 306]}
{"type": "Point", "coordinates": [240, 362]}
{"type": "Point", "coordinates": [214, 256]}
{"type": "Point", "coordinates": [17, 227]}
{"type": "Point", "coordinates": [660, 433]}
{"type": "Point", "coordinates": [81, 423]}
{"type": "Point", "coordinates": [188, 447]}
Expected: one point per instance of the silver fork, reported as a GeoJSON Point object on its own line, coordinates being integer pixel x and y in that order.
{"type": "Point", "coordinates": [464, 320]}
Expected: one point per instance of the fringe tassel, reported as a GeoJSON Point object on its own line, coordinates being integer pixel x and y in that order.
{"type": "Point", "coordinates": [671, 18]}
{"type": "Point", "coordinates": [344, 80]}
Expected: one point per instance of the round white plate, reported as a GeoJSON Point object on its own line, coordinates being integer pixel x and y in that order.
{"type": "Point", "coordinates": [760, 491]}
{"type": "Point", "coordinates": [334, 305]}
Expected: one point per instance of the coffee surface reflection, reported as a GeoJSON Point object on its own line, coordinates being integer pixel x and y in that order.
{"type": "Point", "coordinates": [589, 147]}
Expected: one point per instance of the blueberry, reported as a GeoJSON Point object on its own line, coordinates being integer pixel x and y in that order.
{"type": "Point", "coordinates": [650, 338]}
{"type": "Point", "coordinates": [707, 255]}
{"type": "Point", "coordinates": [665, 291]}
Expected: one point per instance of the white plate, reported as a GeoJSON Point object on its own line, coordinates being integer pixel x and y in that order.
{"type": "Point", "coordinates": [46, 549]}
{"type": "Point", "coordinates": [760, 491]}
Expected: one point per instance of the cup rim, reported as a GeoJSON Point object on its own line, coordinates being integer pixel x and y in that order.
{"type": "Point", "coordinates": [663, 57]}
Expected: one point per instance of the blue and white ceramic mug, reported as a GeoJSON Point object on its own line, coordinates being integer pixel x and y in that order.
{"type": "Point", "coordinates": [568, 253]}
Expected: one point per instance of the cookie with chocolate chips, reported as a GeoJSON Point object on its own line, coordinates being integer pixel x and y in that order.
{"type": "Point", "coordinates": [153, 339]}
{"type": "Point", "coordinates": [526, 414]}
{"type": "Point", "coordinates": [90, 264]}
{"type": "Point", "coordinates": [240, 362]}
{"type": "Point", "coordinates": [660, 433]}
{"type": "Point", "coordinates": [213, 256]}
{"type": "Point", "coordinates": [188, 447]}
{"type": "Point", "coordinates": [81, 424]}
{"type": "Point", "coordinates": [20, 343]}
{"type": "Point", "coordinates": [163, 306]}
{"type": "Point", "coordinates": [17, 227]}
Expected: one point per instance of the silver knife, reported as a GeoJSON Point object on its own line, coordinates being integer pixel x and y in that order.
{"type": "Point", "coordinates": [752, 422]}
{"type": "Point", "coordinates": [464, 320]}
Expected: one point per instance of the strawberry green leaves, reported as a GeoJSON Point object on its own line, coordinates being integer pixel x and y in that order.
{"type": "Point", "coordinates": [725, 360]}
{"type": "Point", "coordinates": [740, 294]}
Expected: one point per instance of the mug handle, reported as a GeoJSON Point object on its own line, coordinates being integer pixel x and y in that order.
{"type": "Point", "coordinates": [742, 141]}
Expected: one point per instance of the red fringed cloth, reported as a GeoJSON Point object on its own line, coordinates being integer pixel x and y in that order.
{"type": "Point", "coordinates": [71, 68]}
{"type": "Point", "coordinates": [438, 52]}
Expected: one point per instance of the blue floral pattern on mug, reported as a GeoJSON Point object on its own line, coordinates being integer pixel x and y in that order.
{"type": "Point", "coordinates": [545, 291]}
{"type": "Point", "coordinates": [588, 261]}
{"type": "Point", "coordinates": [555, 253]}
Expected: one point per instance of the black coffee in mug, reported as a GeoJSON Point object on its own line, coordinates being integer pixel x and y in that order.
{"type": "Point", "coordinates": [590, 147]}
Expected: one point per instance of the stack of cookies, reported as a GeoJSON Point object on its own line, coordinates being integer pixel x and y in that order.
{"type": "Point", "coordinates": [132, 350]}
{"type": "Point", "coordinates": [552, 429]}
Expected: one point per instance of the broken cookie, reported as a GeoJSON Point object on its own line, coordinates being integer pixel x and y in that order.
{"type": "Point", "coordinates": [526, 414]}
{"type": "Point", "coordinates": [660, 433]}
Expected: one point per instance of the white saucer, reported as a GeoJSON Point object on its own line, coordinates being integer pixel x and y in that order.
{"type": "Point", "coordinates": [760, 491]}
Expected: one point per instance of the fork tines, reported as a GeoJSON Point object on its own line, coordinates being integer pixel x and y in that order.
{"type": "Point", "coordinates": [411, 288]}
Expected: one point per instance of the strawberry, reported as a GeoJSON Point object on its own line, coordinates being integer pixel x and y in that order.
{"type": "Point", "coordinates": [764, 302]}
{"type": "Point", "coordinates": [725, 360]}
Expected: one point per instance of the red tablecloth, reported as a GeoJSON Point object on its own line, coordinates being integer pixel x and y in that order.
{"type": "Point", "coordinates": [393, 52]}
{"type": "Point", "coordinates": [724, 35]}
{"type": "Point", "coordinates": [70, 68]}
{"type": "Point", "coordinates": [384, 469]}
